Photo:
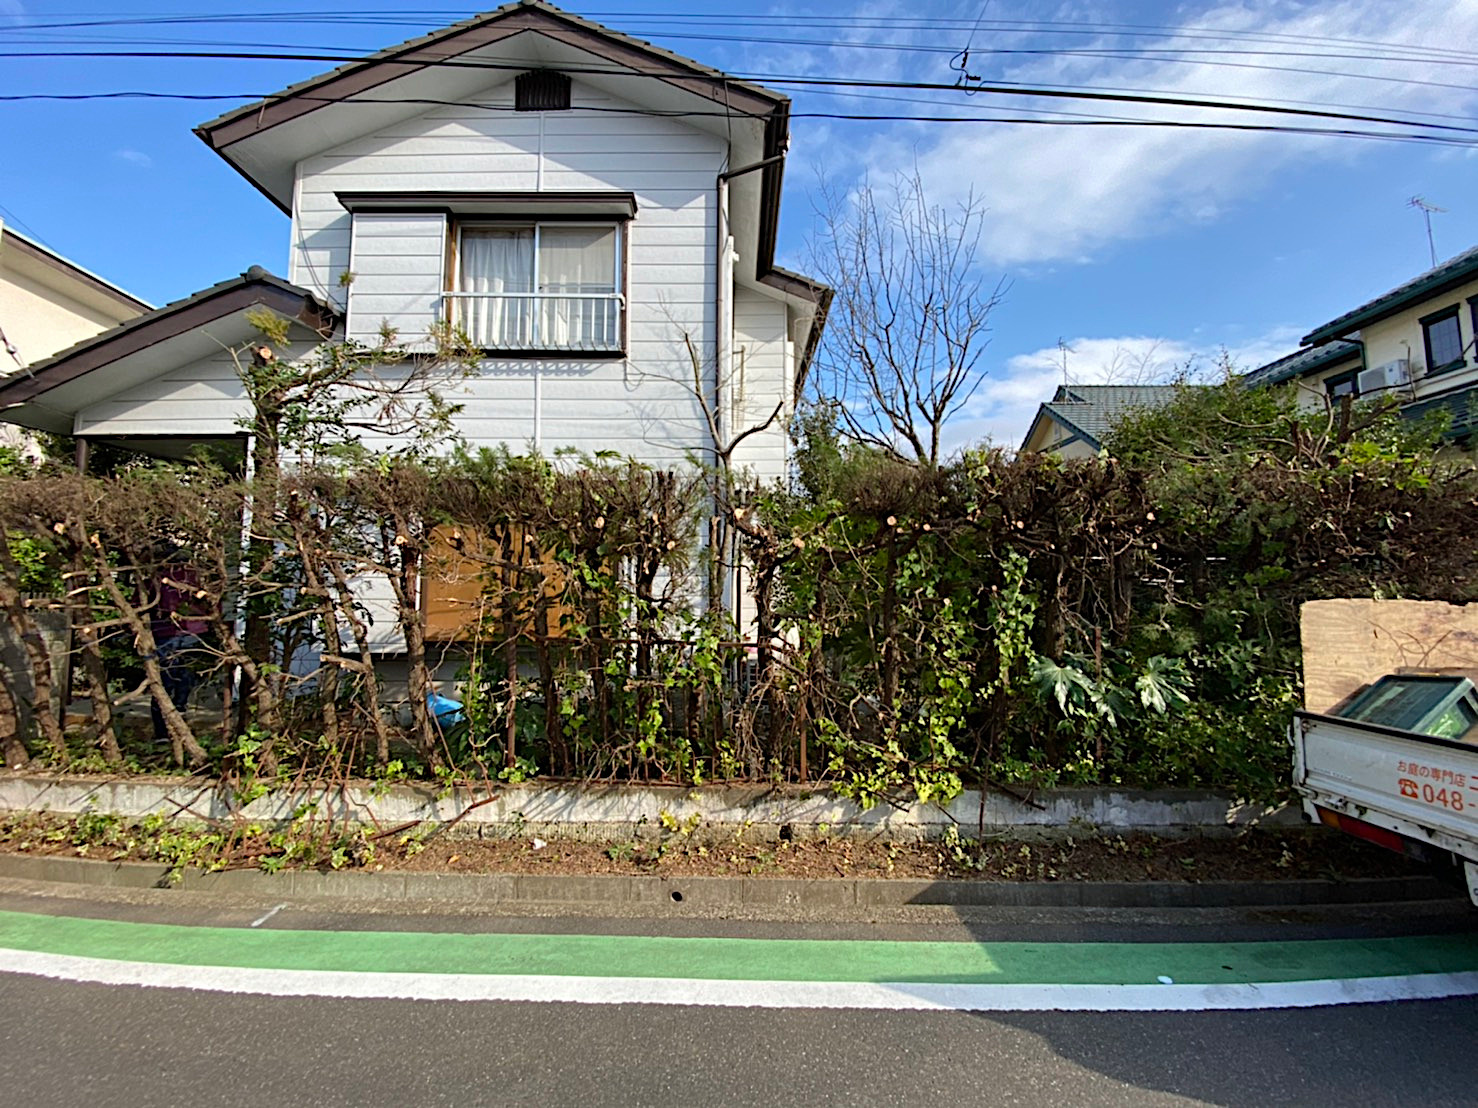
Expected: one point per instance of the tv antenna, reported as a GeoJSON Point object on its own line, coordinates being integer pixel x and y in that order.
{"type": "Point", "coordinates": [1427, 209]}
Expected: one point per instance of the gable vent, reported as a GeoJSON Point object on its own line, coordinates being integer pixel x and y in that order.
{"type": "Point", "coordinates": [541, 90]}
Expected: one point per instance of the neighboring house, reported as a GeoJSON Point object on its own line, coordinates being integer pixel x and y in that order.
{"type": "Point", "coordinates": [1074, 423]}
{"type": "Point", "coordinates": [48, 302]}
{"type": "Point", "coordinates": [1415, 343]}
{"type": "Point", "coordinates": [594, 211]}
{"type": "Point", "coordinates": [1333, 360]}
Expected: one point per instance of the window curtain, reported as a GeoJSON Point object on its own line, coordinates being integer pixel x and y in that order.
{"type": "Point", "coordinates": [578, 260]}
{"type": "Point", "coordinates": [498, 262]}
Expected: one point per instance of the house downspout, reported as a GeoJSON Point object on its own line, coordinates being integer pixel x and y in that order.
{"type": "Point", "coordinates": [723, 339]}
{"type": "Point", "coordinates": [723, 348]}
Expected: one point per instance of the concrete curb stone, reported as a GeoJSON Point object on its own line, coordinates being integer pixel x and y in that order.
{"type": "Point", "coordinates": [730, 891]}
{"type": "Point", "coordinates": [605, 812]}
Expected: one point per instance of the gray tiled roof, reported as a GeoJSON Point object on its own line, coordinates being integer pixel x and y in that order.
{"type": "Point", "coordinates": [1461, 404]}
{"type": "Point", "coordinates": [1301, 362]}
{"type": "Point", "coordinates": [1451, 273]}
{"type": "Point", "coordinates": [1093, 410]}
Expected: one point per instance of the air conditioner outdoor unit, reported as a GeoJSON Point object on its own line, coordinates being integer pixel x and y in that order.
{"type": "Point", "coordinates": [1389, 376]}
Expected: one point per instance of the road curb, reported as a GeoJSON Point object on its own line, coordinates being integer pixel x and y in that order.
{"type": "Point", "coordinates": [596, 812]}
{"type": "Point", "coordinates": [708, 892]}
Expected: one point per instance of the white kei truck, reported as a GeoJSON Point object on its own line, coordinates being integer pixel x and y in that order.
{"type": "Point", "coordinates": [1397, 765]}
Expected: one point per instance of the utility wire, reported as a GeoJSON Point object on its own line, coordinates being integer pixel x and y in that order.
{"type": "Point", "coordinates": [424, 17]}
{"type": "Point", "coordinates": [1261, 128]}
{"type": "Point", "coordinates": [998, 88]}
{"type": "Point", "coordinates": [843, 94]}
{"type": "Point", "coordinates": [1399, 53]}
{"type": "Point", "coordinates": [351, 54]}
{"type": "Point", "coordinates": [1165, 54]}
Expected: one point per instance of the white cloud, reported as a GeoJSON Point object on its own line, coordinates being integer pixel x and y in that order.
{"type": "Point", "coordinates": [134, 157]}
{"type": "Point", "coordinates": [1002, 409]}
{"type": "Point", "coordinates": [1062, 193]}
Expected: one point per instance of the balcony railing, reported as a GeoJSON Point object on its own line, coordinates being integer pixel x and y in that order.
{"type": "Point", "coordinates": [580, 322]}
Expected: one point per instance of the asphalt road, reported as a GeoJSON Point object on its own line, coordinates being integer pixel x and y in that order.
{"type": "Point", "coordinates": [90, 1045]}
{"type": "Point", "coordinates": [64, 1043]}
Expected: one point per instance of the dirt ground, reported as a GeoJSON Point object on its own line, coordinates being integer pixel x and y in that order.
{"type": "Point", "coordinates": [1254, 855]}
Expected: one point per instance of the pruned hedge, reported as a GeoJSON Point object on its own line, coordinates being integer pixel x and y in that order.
{"type": "Point", "coordinates": [905, 630]}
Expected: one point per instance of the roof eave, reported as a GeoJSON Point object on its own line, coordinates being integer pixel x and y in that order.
{"type": "Point", "coordinates": [1377, 310]}
{"type": "Point", "coordinates": [1057, 416]}
{"type": "Point", "coordinates": [800, 287]}
{"type": "Point", "coordinates": [34, 250]}
{"type": "Point", "coordinates": [254, 288]}
{"type": "Point", "coordinates": [405, 58]}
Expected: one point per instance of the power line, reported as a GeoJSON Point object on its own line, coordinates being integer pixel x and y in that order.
{"type": "Point", "coordinates": [1001, 88]}
{"type": "Point", "coordinates": [1169, 55]}
{"type": "Point", "coordinates": [424, 17]}
{"type": "Point", "coordinates": [940, 103]}
{"type": "Point", "coordinates": [1258, 128]}
{"type": "Point", "coordinates": [22, 224]}
{"type": "Point", "coordinates": [1403, 53]}
{"type": "Point", "coordinates": [348, 54]}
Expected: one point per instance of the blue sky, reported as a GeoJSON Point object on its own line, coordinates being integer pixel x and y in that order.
{"type": "Point", "coordinates": [1141, 249]}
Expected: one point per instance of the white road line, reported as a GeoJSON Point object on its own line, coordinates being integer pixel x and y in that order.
{"type": "Point", "coordinates": [743, 994]}
{"type": "Point", "coordinates": [269, 915]}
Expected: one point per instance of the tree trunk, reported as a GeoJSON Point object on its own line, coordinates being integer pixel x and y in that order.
{"type": "Point", "coordinates": [11, 746]}
{"type": "Point", "coordinates": [365, 667]}
{"type": "Point", "coordinates": [26, 630]}
{"type": "Point", "coordinates": [95, 675]}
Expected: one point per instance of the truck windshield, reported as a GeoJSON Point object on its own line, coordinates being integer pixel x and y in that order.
{"type": "Point", "coordinates": [1444, 707]}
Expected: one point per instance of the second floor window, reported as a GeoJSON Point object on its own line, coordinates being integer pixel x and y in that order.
{"type": "Point", "coordinates": [1444, 341]}
{"type": "Point", "coordinates": [547, 287]}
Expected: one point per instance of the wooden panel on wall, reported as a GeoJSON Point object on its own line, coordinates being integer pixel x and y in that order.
{"type": "Point", "coordinates": [460, 590]}
{"type": "Point", "coordinates": [1347, 644]}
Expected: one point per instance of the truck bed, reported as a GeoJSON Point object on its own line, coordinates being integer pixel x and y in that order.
{"type": "Point", "coordinates": [1421, 788]}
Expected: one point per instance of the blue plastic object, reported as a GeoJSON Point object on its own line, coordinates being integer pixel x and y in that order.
{"type": "Point", "coordinates": [448, 712]}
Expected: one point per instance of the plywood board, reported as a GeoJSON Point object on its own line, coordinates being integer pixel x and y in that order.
{"type": "Point", "coordinates": [460, 594]}
{"type": "Point", "coordinates": [1347, 644]}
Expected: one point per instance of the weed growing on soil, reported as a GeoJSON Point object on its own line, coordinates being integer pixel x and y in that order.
{"type": "Point", "coordinates": [180, 845]}
{"type": "Point", "coordinates": [304, 844]}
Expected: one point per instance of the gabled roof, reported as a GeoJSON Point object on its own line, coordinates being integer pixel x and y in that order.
{"type": "Point", "coordinates": [445, 46]}
{"type": "Point", "coordinates": [448, 50]}
{"type": "Point", "coordinates": [1301, 363]}
{"type": "Point", "coordinates": [253, 138]}
{"type": "Point", "coordinates": [12, 240]}
{"type": "Point", "coordinates": [1443, 278]}
{"type": "Point", "coordinates": [1092, 411]}
{"type": "Point", "coordinates": [254, 288]}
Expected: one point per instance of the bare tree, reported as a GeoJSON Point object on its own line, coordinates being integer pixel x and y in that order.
{"type": "Point", "coordinates": [910, 321]}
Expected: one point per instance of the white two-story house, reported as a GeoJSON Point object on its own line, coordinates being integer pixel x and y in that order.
{"type": "Point", "coordinates": [598, 214]}
{"type": "Point", "coordinates": [1417, 344]}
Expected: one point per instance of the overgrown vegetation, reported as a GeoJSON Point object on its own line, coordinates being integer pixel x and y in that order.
{"type": "Point", "coordinates": [911, 629]}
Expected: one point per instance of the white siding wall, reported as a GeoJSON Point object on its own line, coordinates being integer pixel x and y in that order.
{"type": "Point", "coordinates": [641, 405]}
{"type": "Point", "coordinates": [203, 398]}
{"type": "Point", "coordinates": [398, 263]}
{"type": "Point", "coordinates": [761, 381]}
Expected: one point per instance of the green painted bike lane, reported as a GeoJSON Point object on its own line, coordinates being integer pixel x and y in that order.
{"type": "Point", "coordinates": [731, 959]}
